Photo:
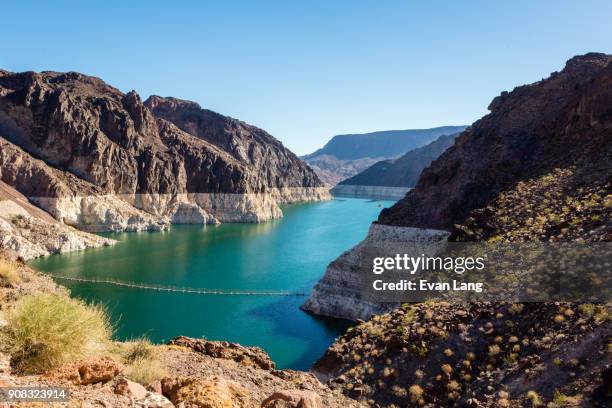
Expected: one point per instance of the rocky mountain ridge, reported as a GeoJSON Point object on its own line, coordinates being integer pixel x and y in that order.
{"type": "Point", "coordinates": [383, 143]}
{"type": "Point", "coordinates": [510, 176]}
{"type": "Point", "coordinates": [270, 160]}
{"type": "Point", "coordinates": [558, 122]}
{"type": "Point", "coordinates": [347, 155]}
{"type": "Point", "coordinates": [405, 170]}
{"type": "Point", "coordinates": [100, 160]}
{"type": "Point", "coordinates": [537, 168]}
{"type": "Point", "coordinates": [333, 170]}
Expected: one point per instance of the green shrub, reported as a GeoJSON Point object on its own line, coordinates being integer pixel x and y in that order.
{"type": "Point", "coordinates": [536, 400]}
{"type": "Point", "coordinates": [48, 330]}
{"type": "Point", "coordinates": [560, 399]}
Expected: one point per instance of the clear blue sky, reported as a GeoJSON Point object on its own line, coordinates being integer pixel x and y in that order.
{"type": "Point", "coordinates": [307, 70]}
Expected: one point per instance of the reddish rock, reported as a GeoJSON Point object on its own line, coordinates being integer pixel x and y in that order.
{"type": "Point", "coordinates": [128, 388]}
{"type": "Point", "coordinates": [90, 371]}
{"type": "Point", "coordinates": [293, 398]}
{"type": "Point", "coordinates": [213, 392]}
{"type": "Point", "coordinates": [155, 386]}
{"type": "Point", "coordinates": [254, 356]}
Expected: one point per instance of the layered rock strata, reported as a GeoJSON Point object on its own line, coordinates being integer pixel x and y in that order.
{"type": "Point", "coordinates": [30, 232]}
{"type": "Point", "coordinates": [342, 293]}
{"type": "Point", "coordinates": [101, 160]}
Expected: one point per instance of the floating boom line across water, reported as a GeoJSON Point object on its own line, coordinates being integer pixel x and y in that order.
{"type": "Point", "coordinates": [179, 289]}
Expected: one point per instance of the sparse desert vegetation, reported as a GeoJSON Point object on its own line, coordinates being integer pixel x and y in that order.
{"type": "Point", "coordinates": [46, 330]}
{"type": "Point", "coordinates": [142, 361]}
{"type": "Point", "coordinates": [484, 345]}
{"type": "Point", "coordinates": [9, 273]}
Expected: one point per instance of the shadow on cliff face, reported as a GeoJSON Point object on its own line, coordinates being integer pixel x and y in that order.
{"type": "Point", "coordinates": [301, 328]}
{"type": "Point", "coordinates": [529, 132]}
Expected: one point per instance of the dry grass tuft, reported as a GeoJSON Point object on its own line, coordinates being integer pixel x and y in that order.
{"type": "Point", "coordinates": [145, 371]}
{"type": "Point", "coordinates": [9, 273]}
{"type": "Point", "coordinates": [141, 359]}
{"type": "Point", "coordinates": [47, 330]}
{"type": "Point", "coordinates": [138, 349]}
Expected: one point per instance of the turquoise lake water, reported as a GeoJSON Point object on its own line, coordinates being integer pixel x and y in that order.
{"type": "Point", "coordinates": [288, 254]}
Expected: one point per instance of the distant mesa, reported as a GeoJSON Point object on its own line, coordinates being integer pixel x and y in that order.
{"type": "Point", "coordinates": [347, 155]}
{"type": "Point", "coordinates": [392, 178]}
{"type": "Point", "coordinates": [405, 170]}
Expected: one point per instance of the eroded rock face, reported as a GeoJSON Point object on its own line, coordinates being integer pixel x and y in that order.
{"type": "Point", "coordinates": [213, 392]}
{"type": "Point", "coordinates": [554, 123]}
{"type": "Point", "coordinates": [553, 136]}
{"type": "Point", "coordinates": [30, 232]}
{"type": "Point", "coordinates": [537, 168]}
{"type": "Point", "coordinates": [274, 165]}
{"type": "Point", "coordinates": [100, 160]}
{"type": "Point", "coordinates": [250, 356]}
{"type": "Point", "coordinates": [91, 371]}
{"type": "Point", "coordinates": [341, 293]}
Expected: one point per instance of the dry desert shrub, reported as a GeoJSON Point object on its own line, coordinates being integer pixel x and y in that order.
{"type": "Point", "coordinates": [9, 273]}
{"type": "Point", "coordinates": [46, 330]}
{"type": "Point", "coordinates": [141, 359]}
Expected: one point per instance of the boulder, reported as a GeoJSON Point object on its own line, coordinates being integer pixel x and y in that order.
{"type": "Point", "coordinates": [128, 388]}
{"type": "Point", "coordinates": [90, 371]}
{"type": "Point", "coordinates": [99, 370]}
{"type": "Point", "coordinates": [212, 392]}
{"type": "Point", "coordinates": [155, 386]}
{"type": "Point", "coordinates": [253, 356]}
{"type": "Point", "coordinates": [293, 399]}
{"type": "Point", "coordinates": [154, 400]}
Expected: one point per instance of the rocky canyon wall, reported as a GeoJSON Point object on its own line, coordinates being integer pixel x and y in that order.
{"type": "Point", "coordinates": [100, 160]}
{"type": "Point", "coordinates": [537, 167]}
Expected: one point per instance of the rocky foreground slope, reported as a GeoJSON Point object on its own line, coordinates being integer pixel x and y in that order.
{"type": "Point", "coordinates": [538, 167]}
{"type": "Point", "coordinates": [190, 372]}
{"type": "Point", "coordinates": [476, 355]}
{"type": "Point", "coordinates": [101, 160]}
